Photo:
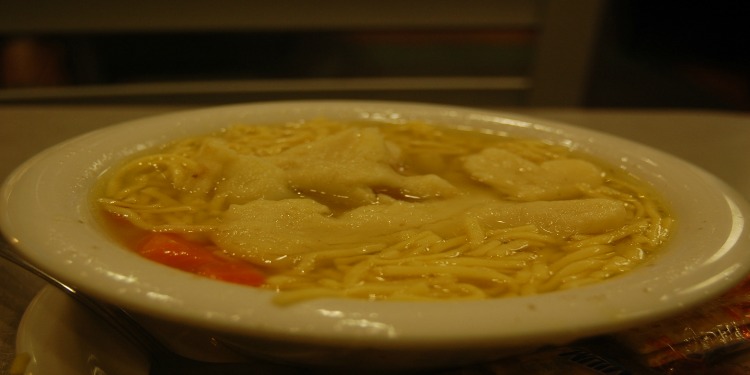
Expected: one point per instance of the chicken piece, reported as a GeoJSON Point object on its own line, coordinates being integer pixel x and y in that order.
{"type": "Point", "coordinates": [522, 179]}
{"type": "Point", "coordinates": [350, 167]}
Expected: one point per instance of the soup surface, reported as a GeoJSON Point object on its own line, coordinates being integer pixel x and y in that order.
{"type": "Point", "coordinates": [406, 211]}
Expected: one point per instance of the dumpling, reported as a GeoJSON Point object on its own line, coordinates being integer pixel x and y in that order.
{"type": "Point", "coordinates": [522, 179]}
{"type": "Point", "coordinates": [349, 168]}
{"type": "Point", "coordinates": [276, 233]}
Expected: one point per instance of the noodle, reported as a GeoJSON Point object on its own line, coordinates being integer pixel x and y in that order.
{"type": "Point", "coordinates": [413, 212]}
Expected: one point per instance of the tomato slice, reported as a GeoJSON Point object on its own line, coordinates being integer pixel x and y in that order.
{"type": "Point", "coordinates": [175, 251]}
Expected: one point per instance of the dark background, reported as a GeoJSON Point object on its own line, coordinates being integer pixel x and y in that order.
{"type": "Point", "coordinates": [673, 54]}
{"type": "Point", "coordinates": [647, 54]}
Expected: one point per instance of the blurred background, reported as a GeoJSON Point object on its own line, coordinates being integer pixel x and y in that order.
{"type": "Point", "coordinates": [581, 53]}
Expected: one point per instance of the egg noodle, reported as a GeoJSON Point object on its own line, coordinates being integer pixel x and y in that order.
{"type": "Point", "coordinates": [197, 187]}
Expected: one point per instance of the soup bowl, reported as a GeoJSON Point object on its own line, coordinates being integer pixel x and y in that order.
{"type": "Point", "coordinates": [48, 215]}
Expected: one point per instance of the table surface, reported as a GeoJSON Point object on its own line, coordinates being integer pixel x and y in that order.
{"type": "Point", "coordinates": [714, 140]}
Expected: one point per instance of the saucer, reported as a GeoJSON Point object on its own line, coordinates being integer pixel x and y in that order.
{"type": "Point", "coordinates": [58, 336]}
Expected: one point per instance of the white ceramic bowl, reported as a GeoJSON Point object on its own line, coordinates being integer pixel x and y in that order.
{"type": "Point", "coordinates": [46, 214]}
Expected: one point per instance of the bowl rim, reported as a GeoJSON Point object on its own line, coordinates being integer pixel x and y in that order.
{"type": "Point", "coordinates": [45, 214]}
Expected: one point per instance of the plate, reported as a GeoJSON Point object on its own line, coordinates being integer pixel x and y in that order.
{"type": "Point", "coordinates": [57, 336]}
